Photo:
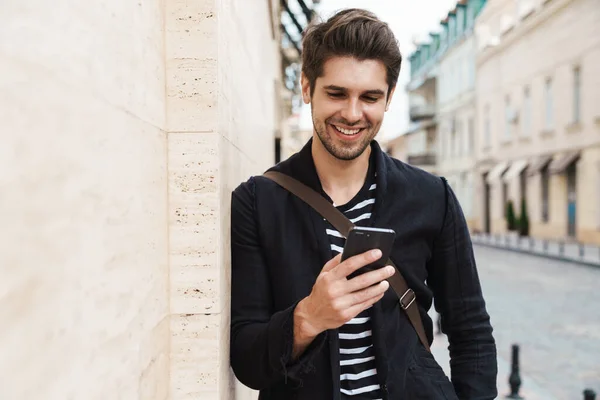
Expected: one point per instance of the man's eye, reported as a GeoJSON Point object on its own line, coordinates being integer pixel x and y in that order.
{"type": "Point", "coordinates": [371, 99]}
{"type": "Point", "coordinates": [335, 94]}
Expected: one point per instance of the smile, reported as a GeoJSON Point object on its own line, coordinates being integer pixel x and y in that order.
{"type": "Point", "coordinates": [347, 132]}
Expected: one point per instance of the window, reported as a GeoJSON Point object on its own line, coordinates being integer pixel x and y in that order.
{"type": "Point", "coordinates": [576, 95]}
{"type": "Point", "coordinates": [461, 76]}
{"type": "Point", "coordinates": [451, 82]}
{"type": "Point", "coordinates": [467, 69]}
{"type": "Point", "coordinates": [459, 139]}
{"type": "Point", "coordinates": [549, 106]}
{"type": "Point", "coordinates": [470, 142]}
{"type": "Point", "coordinates": [452, 142]}
{"type": "Point", "coordinates": [526, 112]}
{"type": "Point", "coordinates": [508, 118]}
{"type": "Point", "coordinates": [464, 200]}
{"type": "Point", "coordinates": [522, 187]}
{"type": "Point", "coordinates": [545, 175]}
{"type": "Point", "coordinates": [471, 64]}
{"type": "Point", "coordinates": [460, 21]}
{"type": "Point", "coordinates": [468, 195]}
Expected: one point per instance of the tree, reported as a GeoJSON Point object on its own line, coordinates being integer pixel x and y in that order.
{"type": "Point", "coordinates": [511, 220]}
{"type": "Point", "coordinates": [524, 219]}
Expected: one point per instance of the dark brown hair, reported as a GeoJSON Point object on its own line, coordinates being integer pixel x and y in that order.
{"type": "Point", "coordinates": [352, 32]}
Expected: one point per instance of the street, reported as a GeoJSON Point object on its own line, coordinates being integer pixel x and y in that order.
{"type": "Point", "coordinates": [551, 309]}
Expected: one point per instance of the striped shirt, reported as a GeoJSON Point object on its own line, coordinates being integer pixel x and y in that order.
{"type": "Point", "coordinates": [358, 372]}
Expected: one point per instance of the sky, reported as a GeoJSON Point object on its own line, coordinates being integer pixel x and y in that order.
{"type": "Point", "coordinates": [410, 20]}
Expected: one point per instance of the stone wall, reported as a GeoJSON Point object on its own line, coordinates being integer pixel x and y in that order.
{"type": "Point", "coordinates": [83, 176]}
{"type": "Point", "coordinates": [125, 126]}
{"type": "Point", "coordinates": [222, 70]}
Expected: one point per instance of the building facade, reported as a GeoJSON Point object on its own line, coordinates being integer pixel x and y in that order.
{"type": "Point", "coordinates": [441, 93]}
{"type": "Point", "coordinates": [456, 105]}
{"type": "Point", "coordinates": [420, 141]}
{"type": "Point", "coordinates": [125, 127]}
{"type": "Point", "coordinates": [538, 103]}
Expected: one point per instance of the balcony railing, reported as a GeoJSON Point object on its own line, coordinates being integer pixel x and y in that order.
{"type": "Point", "coordinates": [427, 159]}
{"type": "Point", "coordinates": [425, 111]}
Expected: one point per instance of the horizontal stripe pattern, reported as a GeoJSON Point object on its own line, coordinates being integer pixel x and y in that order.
{"type": "Point", "coordinates": [358, 368]}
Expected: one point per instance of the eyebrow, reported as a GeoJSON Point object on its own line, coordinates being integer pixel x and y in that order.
{"type": "Point", "coordinates": [369, 92]}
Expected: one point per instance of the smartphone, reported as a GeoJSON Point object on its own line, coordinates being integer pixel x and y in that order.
{"type": "Point", "coordinates": [361, 239]}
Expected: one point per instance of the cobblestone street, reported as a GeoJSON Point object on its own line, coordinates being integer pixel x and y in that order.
{"type": "Point", "coordinates": [552, 310]}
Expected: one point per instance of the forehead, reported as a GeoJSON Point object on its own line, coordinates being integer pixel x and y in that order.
{"type": "Point", "coordinates": [354, 74]}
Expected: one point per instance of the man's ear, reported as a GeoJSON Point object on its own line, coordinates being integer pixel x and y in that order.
{"type": "Point", "coordinates": [389, 98]}
{"type": "Point", "coordinates": [305, 88]}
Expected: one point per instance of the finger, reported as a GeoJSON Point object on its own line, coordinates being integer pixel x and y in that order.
{"type": "Point", "coordinates": [353, 263]}
{"type": "Point", "coordinates": [360, 307]}
{"type": "Point", "coordinates": [352, 299]}
{"type": "Point", "coordinates": [334, 262]}
{"type": "Point", "coordinates": [370, 278]}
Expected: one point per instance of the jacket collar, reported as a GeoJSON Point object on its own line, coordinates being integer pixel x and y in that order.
{"type": "Point", "coordinates": [301, 166]}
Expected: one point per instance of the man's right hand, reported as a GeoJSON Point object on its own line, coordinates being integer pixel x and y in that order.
{"type": "Point", "coordinates": [335, 300]}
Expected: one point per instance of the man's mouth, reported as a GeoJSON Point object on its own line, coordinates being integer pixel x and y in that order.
{"type": "Point", "coordinates": [347, 132]}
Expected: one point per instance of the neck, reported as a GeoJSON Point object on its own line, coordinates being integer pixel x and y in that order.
{"type": "Point", "coordinates": [340, 179]}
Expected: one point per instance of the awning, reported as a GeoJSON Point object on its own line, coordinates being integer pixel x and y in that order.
{"type": "Point", "coordinates": [538, 164]}
{"type": "Point", "coordinates": [497, 171]}
{"type": "Point", "coordinates": [515, 170]}
{"type": "Point", "coordinates": [560, 164]}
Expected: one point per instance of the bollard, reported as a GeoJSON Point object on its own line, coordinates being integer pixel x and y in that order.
{"type": "Point", "coordinates": [514, 379]}
{"type": "Point", "coordinates": [545, 245]}
{"type": "Point", "coordinates": [581, 250]}
{"type": "Point", "coordinates": [589, 394]}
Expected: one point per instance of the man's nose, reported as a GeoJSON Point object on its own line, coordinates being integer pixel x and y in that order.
{"type": "Point", "coordinates": [352, 111]}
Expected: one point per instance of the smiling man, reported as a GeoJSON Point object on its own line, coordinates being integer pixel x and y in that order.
{"type": "Point", "coordinates": [300, 327]}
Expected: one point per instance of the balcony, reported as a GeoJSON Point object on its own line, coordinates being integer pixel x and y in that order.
{"type": "Point", "coordinates": [426, 159]}
{"type": "Point", "coordinates": [421, 112]}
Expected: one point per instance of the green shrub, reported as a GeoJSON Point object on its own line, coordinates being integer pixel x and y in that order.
{"type": "Point", "coordinates": [511, 220]}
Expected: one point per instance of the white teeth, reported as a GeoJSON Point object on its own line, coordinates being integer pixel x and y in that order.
{"type": "Point", "coordinates": [347, 131]}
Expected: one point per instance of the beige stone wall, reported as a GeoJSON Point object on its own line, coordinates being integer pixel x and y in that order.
{"type": "Point", "coordinates": [549, 42]}
{"type": "Point", "coordinates": [221, 130]}
{"type": "Point", "coordinates": [83, 176]}
{"type": "Point", "coordinates": [125, 127]}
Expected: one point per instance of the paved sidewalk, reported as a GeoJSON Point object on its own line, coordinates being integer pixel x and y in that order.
{"type": "Point", "coordinates": [558, 250]}
{"type": "Point", "coordinates": [529, 390]}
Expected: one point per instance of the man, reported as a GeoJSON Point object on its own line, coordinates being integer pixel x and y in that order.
{"type": "Point", "coordinates": [300, 329]}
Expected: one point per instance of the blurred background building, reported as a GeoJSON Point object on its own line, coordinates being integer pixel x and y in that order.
{"type": "Point", "coordinates": [506, 92]}
{"type": "Point", "coordinates": [295, 16]}
{"type": "Point", "coordinates": [538, 99]}
{"type": "Point", "coordinates": [449, 58]}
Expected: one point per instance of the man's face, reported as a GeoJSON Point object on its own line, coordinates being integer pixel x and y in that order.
{"type": "Point", "coordinates": [348, 104]}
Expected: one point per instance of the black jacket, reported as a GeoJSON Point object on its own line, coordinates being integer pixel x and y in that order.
{"type": "Point", "coordinates": [278, 247]}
